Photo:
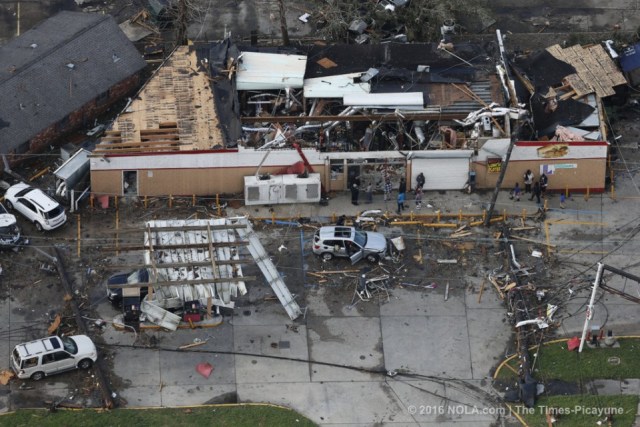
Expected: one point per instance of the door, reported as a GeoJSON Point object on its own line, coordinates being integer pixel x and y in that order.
{"type": "Point", "coordinates": [57, 362]}
{"type": "Point", "coordinates": [447, 171]}
{"type": "Point", "coordinates": [357, 256]}
{"type": "Point", "coordinates": [130, 183]}
{"type": "Point", "coordinates": [26, 208]}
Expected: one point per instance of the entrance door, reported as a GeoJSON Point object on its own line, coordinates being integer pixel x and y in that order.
{"type": "Point", "coordinates": [130, 183]}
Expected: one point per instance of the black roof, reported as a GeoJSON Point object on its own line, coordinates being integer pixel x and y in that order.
{"type": "Point", "coordinates": [466, 62]}
{"type": "Point", "coordinates": [57, 67]}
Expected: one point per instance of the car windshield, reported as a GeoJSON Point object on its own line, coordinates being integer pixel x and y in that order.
{"type": "Point", "coordinates": [134, 277]}
{"type": "Point", "coordinates": [54, 213]}
{"type": "Point", "coordinates": [24, 191]}
{"type": "Point", "coordinates": [70, 345]}
{"type": "Point", "coordinates": [360, 238]}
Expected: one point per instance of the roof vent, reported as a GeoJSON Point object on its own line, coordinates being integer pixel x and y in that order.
{"type": "Point", "coordinates": [33, 45]}
{"type": "Point", "coordinates": [115, 58]}
{"type": "Point", "coordinates": [71, 65]}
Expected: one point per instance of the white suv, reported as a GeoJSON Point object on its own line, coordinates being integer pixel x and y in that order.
{"type": "Point", "coordinates": [347, 242]}
{"type": "Point", "coordinates": [47, 356]}
{"type": "Point", "coordinates": [36, 206]}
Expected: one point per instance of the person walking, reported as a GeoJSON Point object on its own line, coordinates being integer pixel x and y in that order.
{"type": "Point", "coordinates": [420, 180]}
{"type": "Point", "coordinates": [402, 188]}
{"type": "Point", "coordinates": [536, 192]}
{"type": "Point", "coordinates": [544, 181]}
{"type": "Point", "coordinates": [387, 189]}
{"type": "Point", "coordinates": [401, 197]}
{"type": "Point", "coordinates": [355, 190]}
{"type": "Point", "coordinates": [528, 180]}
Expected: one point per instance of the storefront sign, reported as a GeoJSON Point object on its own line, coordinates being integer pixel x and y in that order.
{"type": "Point", "coordinates": [494, 165]}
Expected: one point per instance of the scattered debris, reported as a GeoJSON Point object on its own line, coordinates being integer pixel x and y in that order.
{"type": "Point", "coordinates": [54, 325]}
{"type": "Point", "coordinates": [205, 369]}
{"type": "Point", "coordinates": [6, 375]}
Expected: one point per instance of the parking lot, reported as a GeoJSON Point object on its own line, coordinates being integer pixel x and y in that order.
{"type": "Point", "coordinates": [427, 340]}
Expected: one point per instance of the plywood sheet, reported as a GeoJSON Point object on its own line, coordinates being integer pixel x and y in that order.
{"type": "Point", "coordinates": [175, 109]}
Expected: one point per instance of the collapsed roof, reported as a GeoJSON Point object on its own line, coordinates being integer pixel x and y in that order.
{"type": "Point", "coordinates": [200, 260]}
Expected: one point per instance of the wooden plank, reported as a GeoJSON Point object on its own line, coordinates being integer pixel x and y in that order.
{"type": "Point", "coordinates": [158, 131]}
{"type": "Point", "coordinates": [187, 282]}
{"type": "Point", "coordinates": [139, 150]}
{"type": "Point", "coordinates": [160, 137]}
{"type": "Point", "coordinates": [173, 265]}
{"type": "Point", "coordinates": [202, 227]}
{"type": "Point", "coordinates": [182, 246]}
{"type": "Point", "coordinates": [137, 144]}
{"type": "Point", "coordinates": [495, 285]}
{"type": "Point", "coordinates": [481, 290]}
{"type": "Point", "coordinates": [524, 239]}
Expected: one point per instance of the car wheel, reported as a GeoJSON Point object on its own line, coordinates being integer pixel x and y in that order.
{"type": "Point", "coordinates": [37, 376]}
{"type": "Point", "coordinates": [327, 256]}
{"type": "Point", "coordinates": [373, 258]}
{"type": "Point", "coordinates": [9, 205]}
{"type": "Point", "coordinates": [38, 225]}
{"type": "Point", "coordinates": [85, 364]}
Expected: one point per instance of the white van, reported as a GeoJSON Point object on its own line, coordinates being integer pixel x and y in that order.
{"type": "Point", "coordinates": [47, 356]}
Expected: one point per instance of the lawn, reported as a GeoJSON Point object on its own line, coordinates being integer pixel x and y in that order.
{"type": "Point", "coordinates": [555, 362]}
{"type": "Point", "coordinates": [241, 415]}
{"type": "Point", "coordinates": [582, 410]}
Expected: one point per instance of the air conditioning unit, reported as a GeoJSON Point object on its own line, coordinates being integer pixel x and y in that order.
{"type": "Point", "coordinates": [280, 189]}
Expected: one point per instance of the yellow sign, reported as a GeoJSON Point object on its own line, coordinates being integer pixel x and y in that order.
{"type": "Point", "coordinates": [494, 165]}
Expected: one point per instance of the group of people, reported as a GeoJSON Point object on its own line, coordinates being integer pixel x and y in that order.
{"type": "Point", "coordinates": [537, 189]}
{"type": "Point", "coordinates": [388, 188]}
{"type": "Point", "coordinates": [402, 190]}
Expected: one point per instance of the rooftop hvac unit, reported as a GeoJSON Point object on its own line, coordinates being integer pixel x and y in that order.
{"type": "Point", "coordinates": [280, 189]}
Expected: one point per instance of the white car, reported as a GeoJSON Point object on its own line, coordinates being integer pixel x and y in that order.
{"type": "Point", "coordinates": [36, 206]}
{"type": "Point", "coordinates": [347, 242]}
{"type": "Point", "coordinates": [9, 231]}
{"type": "Point", "coordinates": [47, 356]}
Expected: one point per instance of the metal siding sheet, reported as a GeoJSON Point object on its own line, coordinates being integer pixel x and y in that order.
{"type": "Point", "coordinates": [334, 86]}
{"type": "Point", "coordinates": [414, 99]}
{"type": "Point", "coordinates": [266, 71]}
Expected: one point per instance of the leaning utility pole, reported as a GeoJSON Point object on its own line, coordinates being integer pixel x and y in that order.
{"type": "Point", "coordinates": [283, 23]}
{"type": "Point", "coordinates": [503, 170]}
{"type": "Point", "coordinates": [590, 307]}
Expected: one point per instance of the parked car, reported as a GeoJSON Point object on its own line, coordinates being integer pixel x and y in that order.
{"type": "Point", "coordinates": [47, 356]}
{"type": "Point", "coordinates": [137, 276]}
{"type": "Point", "coordinates": [9, 230]}
{"type": "Point", "coordinates": [348, 242]}
{"type": "Point", "coordinates": [36, 206]}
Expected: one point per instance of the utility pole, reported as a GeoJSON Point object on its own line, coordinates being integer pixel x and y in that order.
{"type": "Point", "coordinates": [283, 23]}
{"type": "Point", "coordinates": [503, 171]}
{"type": "Point", "coordinates": [587, 320]}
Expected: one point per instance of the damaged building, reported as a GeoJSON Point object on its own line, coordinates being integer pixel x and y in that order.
{"type": "Point", "coordinates": [194, 268]}
{"type": "Point", "coordinates": [217, 118]}
{"type": "Point", "coordinates": [59, 76]}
